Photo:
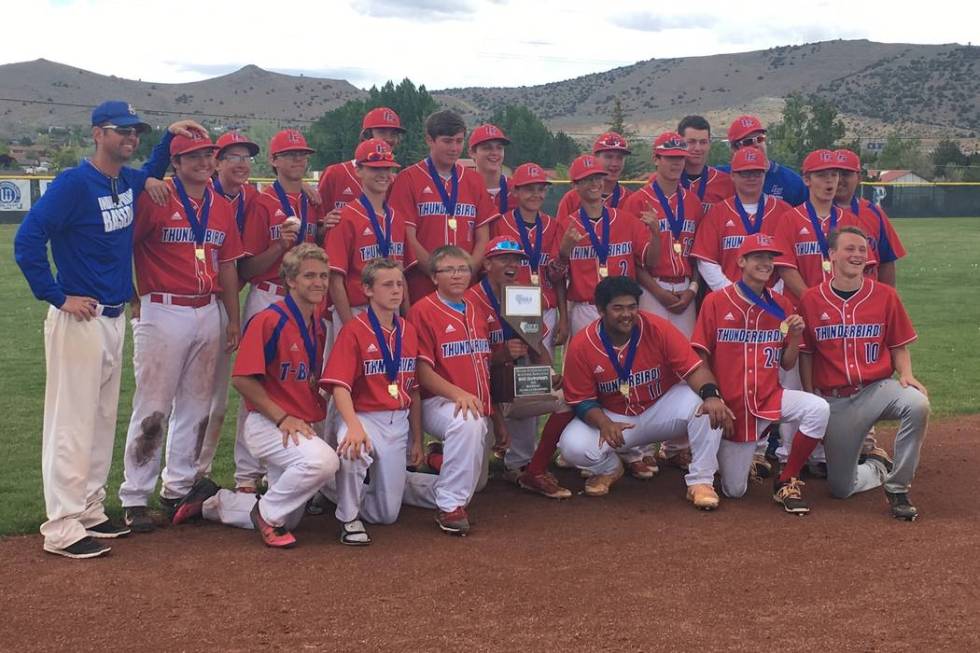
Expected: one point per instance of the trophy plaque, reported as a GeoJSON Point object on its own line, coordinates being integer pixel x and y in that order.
{"type": "Point", "coordinates": [522, 310]}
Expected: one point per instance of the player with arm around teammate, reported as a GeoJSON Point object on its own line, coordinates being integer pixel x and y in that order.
{"type": "Point", "coordinates": [623, 376]}
{"type": "Point", "coordinates": [371, 372]}
{"type": "Point", "coordinates": [745, 332]}
{"type": "Point", "coordinates": [453, 371]}
{"type": "Point", "coordinates": [609, 151]}
{"type": "Point", "coordinates": [856, 340]}
{"type": "Point", "coordinates": [780, 181]}
{"type": "Point", "coordinates": [276, 373]}
{"type": "Point", "coordinates": [710, 184]}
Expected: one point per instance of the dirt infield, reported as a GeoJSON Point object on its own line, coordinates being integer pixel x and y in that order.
{"type": "Point", "coordinates": [637, 570]}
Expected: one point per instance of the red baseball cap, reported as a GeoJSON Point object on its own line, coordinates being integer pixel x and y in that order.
{"type": "Point", "coordinates": [289, 140]}
{"type": "Point", "coordinates": [611, 141]}
{"type": "Point", "coordinates": [848, 160]}
{"type": "Point", "coordinates": [382, 118]}
{"type": "Point", "coordinates": [185, 144]}
{"type": "Point", "coordinates": [585, 166]}
{"type": "Point", "coordinates": [528, 173]}
{"type": "Point", "coordinates": [670, 144]}
{"type": "Point", "coordinates": [234, 138]}
{"type": "Point", "coordinates": [488, 132]}
{"type": "Point", "coordinates": [749, 158]}
{"type": "Point", "coordinates": [503, 245]}
{"type": "Point", "coordinates": [375, 153]}
{"type": "Point", "coordinates": [820, 160]}
{"type": "Point", "coordinates": [759, 242]}
{"type": "Point", "coordinates": [743, 126]}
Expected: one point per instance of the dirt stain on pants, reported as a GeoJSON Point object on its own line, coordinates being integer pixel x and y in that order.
{"type": "Point", "coordinates": [148, 441]}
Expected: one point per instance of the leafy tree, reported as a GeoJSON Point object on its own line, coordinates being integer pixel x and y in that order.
{"type": "Point", "coordinates": [809, 123]}
{"type": "Point", "coordinates": [639, 163]}
{"type": "Point", "coordinates": [949, 159]}
{"type": "Point", "coordinates": [531, 140]}
{"type": "Point", "coordinates": [336, 133]}
{"type": "Point", "coordinates": [720, 154]}
{"type": "Point", "coordinates": [64, 157]}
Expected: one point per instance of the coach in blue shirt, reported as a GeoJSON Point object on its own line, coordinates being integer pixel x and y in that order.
{"type": "Point", "coordinates": [781, 182]}
{"type": "Point", "coordinates": [86, 215]}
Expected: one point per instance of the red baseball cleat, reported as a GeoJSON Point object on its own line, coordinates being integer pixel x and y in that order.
{"type": "Point", "coordinates": [276, 537]}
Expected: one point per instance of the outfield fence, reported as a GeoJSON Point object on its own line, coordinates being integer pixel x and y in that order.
{"type": "Point", "coordinates": [900, 200]}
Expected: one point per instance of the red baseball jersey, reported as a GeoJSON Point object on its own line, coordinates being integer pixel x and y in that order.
{"type": "Point", "coordinates": [455, 344]}
{"type": "Point", "coordinates": [415, 196]}
{"type": "Point", "coordinates": [672, 264]}
{"type": "Point", "coordinates": [164, 250]}
{"type": "Point", "coordinates": [883, 240]}
{"type": "Point", "coordinates": [570, 201]}
{"type": "Point", "coordinates": [355, 363]}
{"type": "Point", "coordinates": [803, 249]}
{"type": "Point", "coordinates": [719, 186]}
{"type": "Point", "coordinates": [849, 338]}
{"type": "Point", "coordinates": [243, 199]}
{"type": "Point", "coordinates": [663, 357]}
{"type": "Point", "coordinates": [744, 347]}
{"type": "Point", "coordinates": [272, 348]}
{"type": "Point", "coordinates": [503, 196]}
{"type": "Point", "coordinates": [629, 239]}
{"type": "Point", "coordinates": [722, 231]}
{"type": "Point", "coordinates": [549, 238]}
{"type": "Point", "coordinates": [353, 244]}
{"type": "Point", "coordinates": [338, 185]}
{"type": "Point", "coordinates": [263, 225]}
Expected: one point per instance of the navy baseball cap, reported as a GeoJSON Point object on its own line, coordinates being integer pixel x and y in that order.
{"type": "Point", "coordinates": [118, 113]}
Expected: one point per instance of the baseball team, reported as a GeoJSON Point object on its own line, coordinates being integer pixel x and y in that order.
{"type": "Point", "coordinates": [738, 321]}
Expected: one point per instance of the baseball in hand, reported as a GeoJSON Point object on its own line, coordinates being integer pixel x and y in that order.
{"type": "Point", "coordinates": [291, 222]}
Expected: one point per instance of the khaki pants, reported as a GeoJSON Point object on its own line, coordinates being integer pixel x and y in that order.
{"type": "Point", "coordinates": [81, 398]}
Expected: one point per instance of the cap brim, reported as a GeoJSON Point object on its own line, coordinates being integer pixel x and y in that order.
{"type": "Point", "coordinates": [528, 183]}
{"type": "Point", "coordinates": [670, 152]}
{"type": "Point", "coordinates": [770, 250]}
{"type": "Point", "coordinates": [207, 146]}
{"type": "Point", "coordinates": [505, 141]}
{"type": "Point", "coordinates": [253, 148]}
{"type": "Point", "coordinates": [822, 168]}
{"type": "Point", "coordinates": [379, 164]}
{"type": "Point", "coordinates": [308, 150]}
{"type": "Point", "coordinates": [398, 129]}
{"type": "Point", "coordinates": [624, 150]}
{"type": "Point", "coordinates": [741, 135]}
{"type": "Point", "coordinates": [593, 173]}
{"type": "Point", "coordinates": [750, 168]}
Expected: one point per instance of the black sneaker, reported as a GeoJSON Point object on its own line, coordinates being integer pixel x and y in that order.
{"type": "Point", "coordinates": [789, 495]}
{"type": "Point", "coordinates": [83, 548]}
{"type": "Point", "coordinates": [138, 519]}
{"type": "Point", "coordinates": [107, 530]}
{"type": "Point", "coordinates": [169, 506]}
{"type": "Point", "coordinates": [900, 506]}
{"type": "Point", "coordinates": [191, 505]}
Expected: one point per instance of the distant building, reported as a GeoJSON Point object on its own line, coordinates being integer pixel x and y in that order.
{"type": "Point", "coordinates": [900, 177]}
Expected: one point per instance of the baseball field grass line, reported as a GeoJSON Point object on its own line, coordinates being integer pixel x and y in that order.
{"type": "Point", "coordinates": [939, 282]}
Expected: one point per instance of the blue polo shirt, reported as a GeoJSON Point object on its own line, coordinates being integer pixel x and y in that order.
{"type": "Point", "coordinates": [781, 182]}
{"type": "Point", "coordinates": [90, 232]}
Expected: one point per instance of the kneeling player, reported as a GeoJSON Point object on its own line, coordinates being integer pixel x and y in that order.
{"type": "Point", "coordinates": [453, 370]}
{"type": "Point", "coordinates": [623, 376]}
{"type": "Point", "coordinates": [276, 373]}
{"type": "Point", "coordinates": [746, 333]}
{"type": "Point", "coordinates": [371, 371]}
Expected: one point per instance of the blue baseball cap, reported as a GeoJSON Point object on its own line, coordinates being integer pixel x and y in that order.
{"type": "Point", "coordinates": [119, 113]}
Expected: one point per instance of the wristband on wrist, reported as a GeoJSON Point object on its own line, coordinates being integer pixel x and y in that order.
{"type": "Point", "coordinates": [709, 390]}
{"type": "Point", "coordinates": [282, 419]}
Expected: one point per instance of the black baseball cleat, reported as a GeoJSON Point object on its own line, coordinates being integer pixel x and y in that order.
{"type": "Point", "coordinates": [169, 506]}
{"type": "Point", "coordinates": [138, 519]}
{"type": "Point", "coordinates": [83, 548]}
{"type": "Point", "coordinates": [789, 494]}
{"type": "Point", "coordinates": [190, 506]}
{"type": "Point", "coordinates": [900, 506]}
{"type": "Point", "coordinates": [107, 530]}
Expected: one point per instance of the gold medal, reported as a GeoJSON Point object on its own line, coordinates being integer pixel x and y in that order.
{"type": "Point", "coordinates": [826, 266]}
{"type": "Point", "coordinates": [199, 253]}
{"type": "Point", "coordinates": [393, 390]}
{"type": "Point", "coordinates": [535, 279]}
{"type": "Point", "coordinates": [453, 224]}
{"type": "Point", "coordinates": [603, 271]}
{"type": "Point", "coordinates": [784, 327]}
{"type": "Point", "coordinates": [624, 389]}
{"type": "Point", "coordinates": [677, 247]}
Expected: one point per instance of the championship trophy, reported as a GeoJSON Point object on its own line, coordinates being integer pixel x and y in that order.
{"type": "Point", "coordinates": [521, 381]}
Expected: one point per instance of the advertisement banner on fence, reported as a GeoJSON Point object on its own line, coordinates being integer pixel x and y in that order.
{"type": "Point", "coordinates": [43, 185]}
{"type": "Point", "coordinates": [15, 194]}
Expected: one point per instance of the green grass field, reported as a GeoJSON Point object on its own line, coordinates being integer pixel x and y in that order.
{"type": "Point", "coordinates": [939, 282]}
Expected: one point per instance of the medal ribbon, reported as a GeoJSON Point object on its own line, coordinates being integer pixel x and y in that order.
{"type": "Point", "coordinates": [309, 335]}
{"type": "Point", "coordinates": [391, 363]}
{"type": "Point", "coordinates": [815, 222]}
{"type": "Point", "coordinates": [240, 209]}
{"type": "Point", "coordinates": [509, 333]}
{"type": "Point", "coordinates": [614, 198]}
{"type": "Point", "coordinates": [885, 251]}
{"type": "Point", "coordinates": [623, 370]}
{"type": "Point", "coordinates": [754, 223]}
{"type": "Point", "coordinates": [198, 227]}
{"type": "Point", "coordinates": [686, 182]}
{"type": "Point", "coordinates": [676, 223]}
{"type": "Point", "coordinates": [383, 237]}
{"type": "Point", "coordinates": [502, 195]}
{"type": "Point", "coordinates": [287, 208]}
{"type": "Point", "coordinates": [533, 252]}
{"type": "Point", "coordinates": [765, 301]}
{"type": "Point", "coordinates": [448, 201]}
{"type": "Point", "coordinates": [601, 247]}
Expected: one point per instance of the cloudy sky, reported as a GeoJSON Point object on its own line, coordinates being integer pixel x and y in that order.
{"type": "Point", "coordinates": [444, 43]}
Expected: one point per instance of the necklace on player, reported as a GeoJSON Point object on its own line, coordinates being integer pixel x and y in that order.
{"type": "Point", "coordinates": [625, 369]}
{"type": "Point", "coordinates": [675, 222]}
{"type": "Point", "coordinates": [392, 362]}
{"type": "Point", "coordinates": [199, 227]}
{"type": "Point", "coordinates": [766, 302]}
{"type": "Point", "coordinates": [751, 223]}
{"type": "Point", "coordinates": [601, 246]}
{"type": "Point", "coordinates": [811, 212]}
{"type": "Point", "coordinates": [383, 237]}
{"type": "Point", "coordinates": [287, 208]}
{"type": "Point", "coordinates": [309, 339]}
{"type": "Point", "coordinates": [531, 250]}
{"type": "Point", "coordinates": [449, 199]}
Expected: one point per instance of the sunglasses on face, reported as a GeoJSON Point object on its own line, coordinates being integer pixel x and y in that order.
{"type": "Point", "coordinates": [508, 246]}
{"type": "Point", "coordinates": [673, 144]}
{"type": "Point", "coordinates": [238, 158]}
{"type": "Point", "coordinates": [124, 131]}
{"type": "Point", "coordinates": [750, 141]}
{"type": "Point", "coordinates": [379, 156]}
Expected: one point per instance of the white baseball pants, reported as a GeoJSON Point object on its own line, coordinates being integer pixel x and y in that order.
{"type": "Point", "coordinates": [464, 458]}
{"type": "Point", "coordinates": [580, 315]}
{"type": "Point", "coordinates": [790, 380]}
{"type": "Point", "coordinates": [174, 353]}
{"type": "Point", "coordinates": [219, 401]}
{"type": "Point", "coordinates": [672, 416]}
{"type": "Point", "coordinates": [83, 366]}
{"type": "Point", "coordinates": [683, 321]}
